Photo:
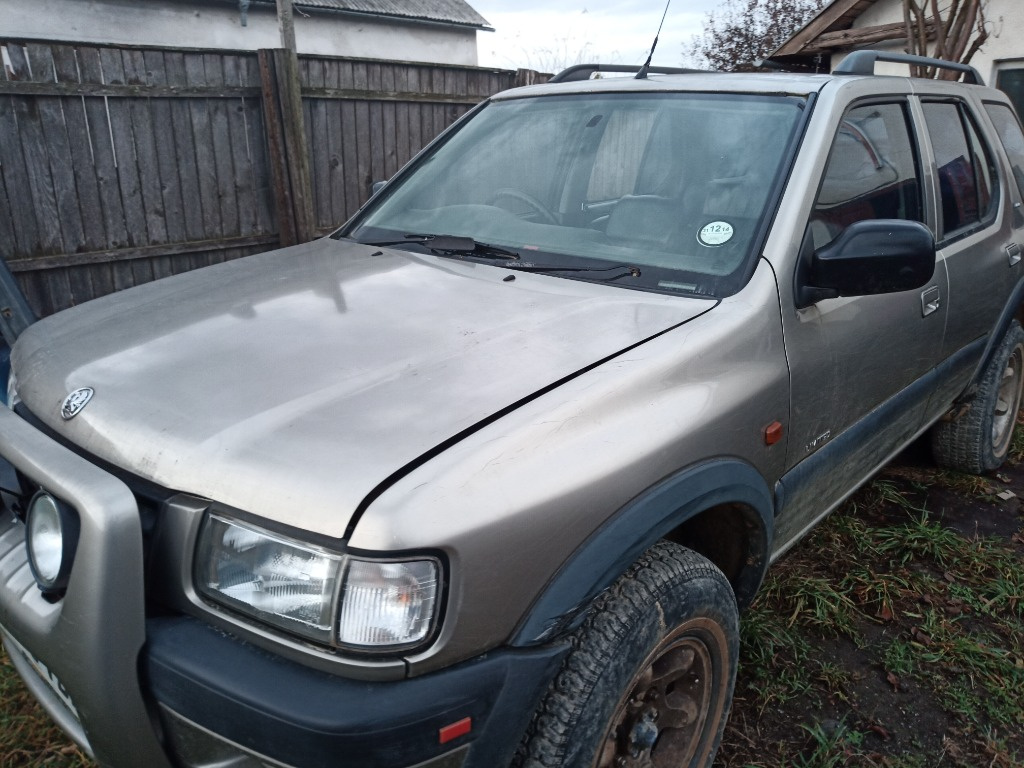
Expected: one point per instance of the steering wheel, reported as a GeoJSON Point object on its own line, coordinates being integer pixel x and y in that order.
{"type": "Point", "coordinates": [537, 208]}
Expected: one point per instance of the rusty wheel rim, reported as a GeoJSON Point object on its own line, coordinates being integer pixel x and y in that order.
{"type": "Point", "coordinates": [673, 703]}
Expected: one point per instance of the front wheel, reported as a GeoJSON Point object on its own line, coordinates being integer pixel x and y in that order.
{"type": "Point", "coordinates": [649, 680]}
{"type": "Point", "coordinates": [980, 439]}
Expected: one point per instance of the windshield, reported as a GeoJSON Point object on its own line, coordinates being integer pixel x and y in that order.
{"type": "Point", "coordinates": [664, 191]}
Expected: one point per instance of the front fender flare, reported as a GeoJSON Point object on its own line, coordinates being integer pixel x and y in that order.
{"type": "Point", "coordinates": [650, 516]}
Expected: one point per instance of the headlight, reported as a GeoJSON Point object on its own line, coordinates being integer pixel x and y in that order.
{"type": "Point", "coordinates": [52, 538]}
{"type": "Point", "coordinates": [327, 597]}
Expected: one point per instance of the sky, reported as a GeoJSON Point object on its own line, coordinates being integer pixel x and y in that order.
{"type": "Point", "coordinates": [548, 36]}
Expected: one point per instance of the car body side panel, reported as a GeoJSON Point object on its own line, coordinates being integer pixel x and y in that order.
{"type": "Point", "coordinates": [645, 520]}
{"type": "Point", "coordinates": [519, 497]}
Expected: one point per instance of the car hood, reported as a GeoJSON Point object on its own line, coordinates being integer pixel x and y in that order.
{"type": "Point", "coordinates": [305, 378]}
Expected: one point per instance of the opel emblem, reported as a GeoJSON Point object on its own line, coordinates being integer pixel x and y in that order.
{"type": "Point", "coordinates": [75, 402]}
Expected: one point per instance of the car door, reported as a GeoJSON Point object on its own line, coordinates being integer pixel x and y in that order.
{"type": "Point", "coordinates": [856, 363]}
{"type": "Point", "coordinates": [975, 236]}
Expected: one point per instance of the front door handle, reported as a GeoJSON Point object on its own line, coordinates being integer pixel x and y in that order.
{"type": "Point", "coordinates": [930, 300]}
{"type": "Point", "coordinates": [1013, 253]}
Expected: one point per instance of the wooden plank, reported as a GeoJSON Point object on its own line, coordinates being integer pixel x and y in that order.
{"type": "Point", "coordinates": [350, 157]}
{"type": "Point", "coordinates": [40, 61]}
{"type": "Point", "coordinates": [19, 70]}
{"type": "Point", "coordinates": [8, 237]}
{"type": "Point", "coordinates": [62, 175]}
{"type": "Point", "coordinates": [63, 261]}
{"type": "Point", "coordinates": [127, 173]}
{"type": "Point", "coordinates": [859, 36]}
{"type": "Point", "coordinates": [199, 114]}
{"type": "Point", "coordinates": [102, 168]}
{"type": "Point", "coordinates": [334, 159]}
{"type": "Point", "coordinates": [829, 15]}
{"type": "Point", "coordinates": [40, 183]}
{"type": "Point", "coordinates": [184, 150]}
{"type": "Point", "coordinates": [318, 132]}
{"type": "Point", "coordinates": [259, 161]}
{"type": "Point", "coordinates": [222, 151]}
{"type": "Point", "coordinates": [390, 127]}
{"type": "Point", "coordinates": [125, 90]}
{"type": "Point", "coordinates": [90, 211]}
{"type": "Point", "coordinates": [15, 179]}
{"type": "Point", "coordinates": [167, 164]}
{"type": "Point", "coordinates": [242, 178]}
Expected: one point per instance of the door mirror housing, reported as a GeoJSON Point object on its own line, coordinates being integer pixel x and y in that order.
{"type": "Point", "coordinates": [869, 257]}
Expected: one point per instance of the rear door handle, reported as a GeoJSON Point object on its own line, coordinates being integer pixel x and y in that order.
{"type": "Point", "coordinates": [930, 300]}
{"type": "Point", "coordinates": [1013, 253]}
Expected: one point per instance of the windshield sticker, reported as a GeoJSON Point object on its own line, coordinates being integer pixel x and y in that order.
{"type": "Point", "coordinates": [715, 233]}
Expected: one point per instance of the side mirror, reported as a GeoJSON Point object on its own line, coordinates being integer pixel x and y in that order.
{"type": "Point", "coordinates": [869, 257]}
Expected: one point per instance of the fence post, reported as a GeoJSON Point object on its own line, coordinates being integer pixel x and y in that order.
{"type": "Point", "coordinates": [15, 313]}
{"type": "Point", "coordinates": [286, 143]}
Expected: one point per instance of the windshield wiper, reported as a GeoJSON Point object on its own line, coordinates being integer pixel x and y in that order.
{"type": "Point", "coordinates": [451, 244]}
{"type": "Point", "coordinates": [626, 269]}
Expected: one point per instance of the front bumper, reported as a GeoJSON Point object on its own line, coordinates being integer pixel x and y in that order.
{"type": "Point", "coordinates": [85, 647]}
{"type": "Point", "coordinates": [135, 691]}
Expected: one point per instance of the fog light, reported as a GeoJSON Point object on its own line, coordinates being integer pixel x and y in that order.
{"type": "Point", "coordinates": [52, 538]}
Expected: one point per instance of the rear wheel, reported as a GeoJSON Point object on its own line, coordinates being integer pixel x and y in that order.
{"type": "Point", "coordinates": [979, 440]}
{"type": "Point", "coordinates": [649, 680]}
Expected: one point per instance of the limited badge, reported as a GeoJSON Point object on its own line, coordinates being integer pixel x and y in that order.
{"type": "Point", "coordinates": [75, 402]}
{"type": "Point", "coordinates": [715, 233]}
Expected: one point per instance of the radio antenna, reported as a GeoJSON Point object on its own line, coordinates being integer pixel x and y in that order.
{"type": "Point", "coordinates": [642, 74]}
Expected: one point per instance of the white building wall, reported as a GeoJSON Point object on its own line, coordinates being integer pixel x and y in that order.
{"type": "Point", "coordinates": [177, 25]}
{"type": "Point", "coordinates": [1005, 44]}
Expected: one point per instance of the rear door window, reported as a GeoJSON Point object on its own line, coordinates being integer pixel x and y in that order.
{"type": "Point", "coordinates": [1012, 138]}
{"type": "Point", "coordinates": [965, 169]}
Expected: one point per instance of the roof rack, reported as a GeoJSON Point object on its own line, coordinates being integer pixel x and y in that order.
{"type": "Point", "coordinates": [863, 63]}
{"type": "Point", "coordinates": [584, 71]}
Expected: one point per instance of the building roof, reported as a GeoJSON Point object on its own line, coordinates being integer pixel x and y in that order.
{"type": "Point", "coordinates": [826, 29]}
{"type": "Point", "coordinates": [456, 12]}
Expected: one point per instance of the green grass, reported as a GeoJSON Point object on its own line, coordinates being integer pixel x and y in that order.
{"type": "Point", "coordinates": [888, 638]}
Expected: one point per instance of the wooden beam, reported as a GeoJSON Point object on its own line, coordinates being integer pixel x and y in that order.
{"type": "Point", "coordinates": [820, 24]}
{"type": "Point", "coordinates": [120, 90]}
{"type": "Point", "coordinates": [144, 252]}
{"type": "Point", "coordinates": [858, 36]}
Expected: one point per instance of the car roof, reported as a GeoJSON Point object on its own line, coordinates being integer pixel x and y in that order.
{"type": "Point", "coordinates": [711, 82]}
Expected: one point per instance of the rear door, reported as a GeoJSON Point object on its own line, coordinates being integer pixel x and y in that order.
{"type": "Point", "coordinates": [977, 244]}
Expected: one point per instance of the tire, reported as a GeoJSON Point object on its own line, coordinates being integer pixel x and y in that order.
{"type": "Point", "coordinates": [979, 440]}
{"type": "Point", "coordinates": [649, 679]}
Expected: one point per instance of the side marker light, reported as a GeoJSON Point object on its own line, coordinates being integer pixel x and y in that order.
{"type": "Point", "coordinates": [453, 731]}
{"type": "Point", "coordinates": [773, 433]}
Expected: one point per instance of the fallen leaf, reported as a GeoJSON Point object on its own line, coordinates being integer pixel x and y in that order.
{"type": "Point", "coordinates": [921, 637]}
{"type": "Point", "coordinates": [880, 730]}
{"type": "Point", "coordinates": [893, 680]}
{"type": "Point", "coordinates": [885, 614]}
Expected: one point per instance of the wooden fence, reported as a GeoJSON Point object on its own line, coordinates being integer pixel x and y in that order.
{"type": "Point", "coordinates": [118, 166]}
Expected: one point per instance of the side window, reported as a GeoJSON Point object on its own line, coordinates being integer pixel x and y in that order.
{"type": "Point", "coordinates": [871, 172]}
{"type": "Point", "coordinates": [1012, 139]}
{"type": "Point", "coordinates": [964, 165]}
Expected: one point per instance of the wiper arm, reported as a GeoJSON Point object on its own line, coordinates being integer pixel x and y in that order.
{"type": "Point", "coordinates": [623, 269]}
{"type": "Point", "coordinates": [451, 244]}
